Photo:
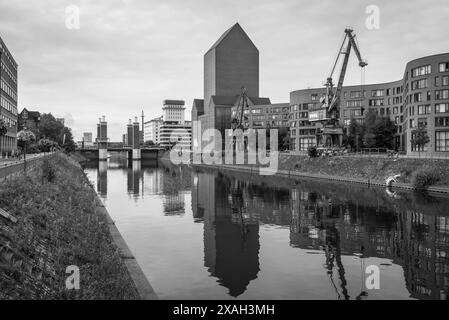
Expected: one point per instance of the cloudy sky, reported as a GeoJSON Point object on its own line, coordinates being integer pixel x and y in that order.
{"type": "Point", "coordinates": [129, 55]}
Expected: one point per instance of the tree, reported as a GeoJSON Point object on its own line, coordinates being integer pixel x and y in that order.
{"type": "Point", "coordinates": [284, 139]}
{"type": "Point", "coordinates": [65, 140]}
{"type": "Point", "coordinates": [3, 132]}
{"type": "Point", "coordinates": [49, 127]}
{"type": "Point", "coordinates": [24, 139]}
{"type": "Point", "coordinates": [419, 139]}
{"type": "Point", "coordinates": [354, 137]}
{"type": "Point", "coordinates": [46, 145]}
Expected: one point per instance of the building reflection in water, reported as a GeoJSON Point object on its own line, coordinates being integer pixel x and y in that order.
{"type": "Point", "coordinates": [231, 234]}
{"type": "Point", "coordinates": [412, 232]}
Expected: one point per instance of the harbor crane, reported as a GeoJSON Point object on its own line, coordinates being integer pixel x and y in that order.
{"type": "Point", "coordinates": [328, 114]}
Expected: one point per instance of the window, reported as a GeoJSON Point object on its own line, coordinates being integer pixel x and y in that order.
{"type": "Point", "coordinates": [377, 93]}
{"type": "Point", "coordinates": [412, 123]}
{"type": "Point", "coordinates": [305, 143]}
{"type": "Point", "coordinates": [442, 141]}
{"type": "Point", "coordinates": [376, 102]}
{"type": "Point", "coordinates": [355, 94]}
{"type": "Point", "coordinates": [354, 103]}
{"type": "Point", "coordinates": [420, 71]}
{"type": "Point", "coordinates": [444, 67]}
{"type": "Point", "coordinates": [422, 122]}
{"type": "Point", "coordinates": [355, 113]}
{"type": "Point", "coordinates": [420, 84]}
{"type": "Point", "coordinates": [314, 97]}
{"type": "Point", "coordinates": [417, 97]}
{"type": "Point", "coordinates": [445, 80]}
{"type": "Point", "coordinates": [424, 109]}
{"type": "Point", "coordinates": [441, 94]}
{"type": "Point", "coordinates": [442, 108]}
{"type": "Point", "coordinates": [442, 122]}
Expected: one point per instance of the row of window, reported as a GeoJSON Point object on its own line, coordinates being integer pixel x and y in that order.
{"type": "Point", "coordinates": [6, 104]}
{"type": "Point", "coordinates": [6, 88]}
{"type": "Point", "coordinates": [419, 96]}
{"type": "Point", "coordinates": [423, 70]}
{"type": "Point", "coordinates": [6, 54]}
{"type": "Point", "coordinates": [8, 121]}
{"type": "Point", "coordinates": [422, 122]}
{"type": "Point", "coordinates": [9, 73]}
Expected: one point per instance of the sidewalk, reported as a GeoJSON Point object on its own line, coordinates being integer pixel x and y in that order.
{"type": "Point", "coordinates": [13, 161]}
{"type": "Point", "coordinates": [12, 166]}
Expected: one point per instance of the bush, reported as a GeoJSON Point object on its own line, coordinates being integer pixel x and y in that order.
{"type": "Point", "coordinates": [424, 178]}
{"type": "Point", "coordinates": [312, 152]}
{"type": "Point", "coordinates": [48, 171]}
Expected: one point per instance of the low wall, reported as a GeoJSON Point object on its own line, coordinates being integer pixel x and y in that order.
{"type": "Point", "coordinates": [13, 168]}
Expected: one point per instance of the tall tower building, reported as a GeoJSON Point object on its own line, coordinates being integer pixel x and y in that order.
{"type": "Point", "coordinates": [232, 62]}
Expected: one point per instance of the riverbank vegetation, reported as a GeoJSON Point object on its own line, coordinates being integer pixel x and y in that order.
{"type": "Point", "coordinates": [419, 172]}
{"type": "Point", "coordinates": [57, 227]}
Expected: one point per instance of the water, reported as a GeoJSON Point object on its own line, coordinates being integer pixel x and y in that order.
{"type": "Point", "coordinates": [201, 234]}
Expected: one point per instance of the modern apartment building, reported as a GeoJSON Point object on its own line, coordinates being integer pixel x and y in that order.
{"type": "Point", "coordinates": [420, 98]}
{"type": "Point", "coordinates": [152, 129]}
{"type": "Point", "coordinates": [8, 99]}
{"type": "Point", "coordinates": [171, 127]}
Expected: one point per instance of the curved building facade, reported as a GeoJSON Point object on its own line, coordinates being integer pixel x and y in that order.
{"type": "Point", "coordinates": [420, 98]}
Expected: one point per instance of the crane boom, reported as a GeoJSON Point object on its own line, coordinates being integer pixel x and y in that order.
{"type": "Point", "coordinates": [329, 112]}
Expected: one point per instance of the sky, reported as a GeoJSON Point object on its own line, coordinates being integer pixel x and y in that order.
{"type": "Point", "coordinates": [130, 55]}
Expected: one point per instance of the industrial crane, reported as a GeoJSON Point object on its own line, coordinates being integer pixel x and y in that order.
{"type": "Point", "coordinates": [329, 112]}
{"type": "Point", "coordinates": [239, 119]}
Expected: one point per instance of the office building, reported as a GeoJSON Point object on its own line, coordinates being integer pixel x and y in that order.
{"type": "Point", "coordinates": [151, 129]}
{"type": "Point", "coordinates": [8, 99]}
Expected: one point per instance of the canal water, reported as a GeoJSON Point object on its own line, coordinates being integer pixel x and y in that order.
{"type": "Point", "coordinates": [203, 234]}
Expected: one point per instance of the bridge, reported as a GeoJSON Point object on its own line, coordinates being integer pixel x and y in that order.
{"type": "Point", "coordinates": [131, 146]}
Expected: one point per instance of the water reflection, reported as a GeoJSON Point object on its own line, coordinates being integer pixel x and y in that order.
{"type": "Point", "coordinates": [412, 232]}
{"type": "Point", "coordinates": [335, 230]}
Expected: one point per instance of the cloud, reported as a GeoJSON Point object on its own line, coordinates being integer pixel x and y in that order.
{"type": "Point", "coordinates": [130, 55]}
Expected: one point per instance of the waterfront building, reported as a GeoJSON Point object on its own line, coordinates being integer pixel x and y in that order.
{"type": "Point", "coordinates": [231, 64]}
{"type": "Point", "coordinates": [171, 126]}
{"type": "Point", "coordinates": [152, 129]}
{"type": "Point", "coordinates": [420, 98]}
{"type": "Point", "coordinates": [29, 120]}
{"type": "Point", "coordinates": [171, 132]}
{"type": "Point", "coordinates": [8, 99]}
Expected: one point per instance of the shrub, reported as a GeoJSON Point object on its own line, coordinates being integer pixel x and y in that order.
{"type": "Point", "coordinates": [312, 152]}
{"type": "Point", "coordinates": [48, 171]}
{"type": "Point", "coordinates": [424, 178]}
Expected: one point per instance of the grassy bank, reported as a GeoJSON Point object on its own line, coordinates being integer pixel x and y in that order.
{"type": "Point", "coordinates": [410, 170]}
{"type": "Point", "coordinates": [57, 227]}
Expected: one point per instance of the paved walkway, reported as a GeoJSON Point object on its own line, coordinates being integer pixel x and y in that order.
{"type": "Point", "coordinates": [12, 165]}
{"type": "Point", "coordinates": [12, 161]}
